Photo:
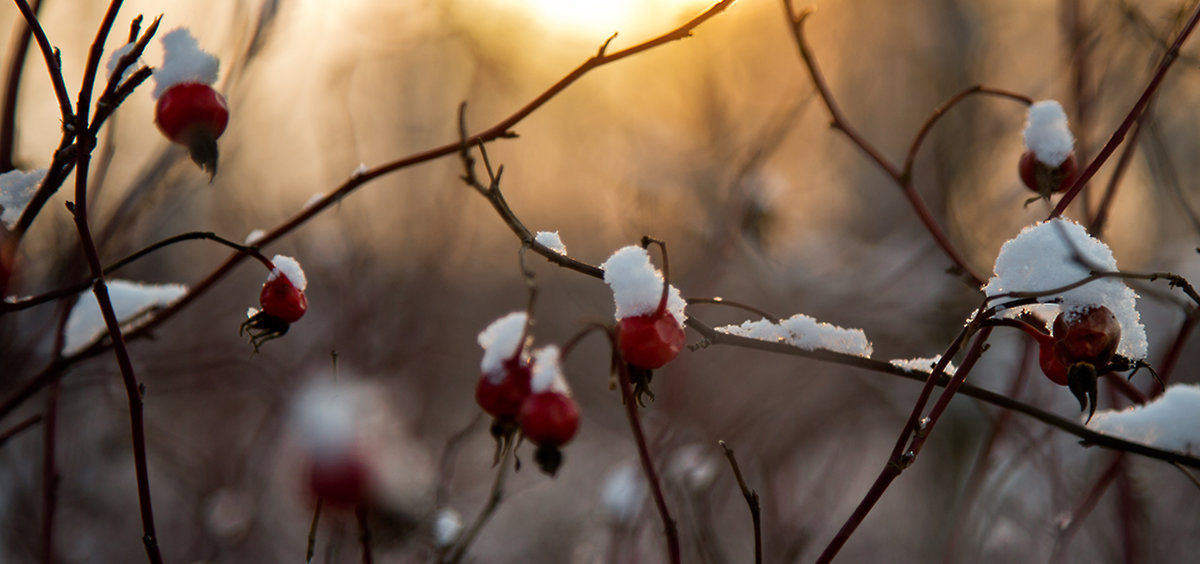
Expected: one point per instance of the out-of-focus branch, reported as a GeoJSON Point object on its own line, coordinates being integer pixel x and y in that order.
{"type": "Point", "coordinates": [493, 501]}
{"type": "Point", "coordinates": [902, 178]}
{"type": "Point", "coordinates": [12, 83]}
{"type": "Point", "coordinates": [50, 54]}
{"type": "Point", "coordinates": [751, 501]}
{"type": "Point", "coordinates": [1168, 59]}
{"type": "Point", "coordinates": [978, 89]}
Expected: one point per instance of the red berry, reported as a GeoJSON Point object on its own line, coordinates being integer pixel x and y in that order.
{"type": "Point", "coordinates": [1051, 367]}
{"type": "Point", "coordinates": [1090, 336]}
{"type": "Point", "coordinates": [342, 482]}
{"type": "Point", "coordinates": [281, 299]}
{"type": "Point", "coordinates": [549, 418]}
{"type": "Point", "coordinates": [503, 399]}
{"type": "Point", "coordinates": [193, 115]}
{"type": "Point", "coordinates": [1044, 179]}
{"type": "Point", "coordinates": [650, 341]}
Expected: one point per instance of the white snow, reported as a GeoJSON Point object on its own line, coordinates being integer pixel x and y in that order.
{"type": "Point", "coordinates": [1042, 257]}
{"type": "Point", "coordinates": [324, 418]}
{"type": "Point", "coordinates": [1170, 422]}
{"type": "Point", "coordinates": [637, 285]}
{"type": "Point", "coordinates": [499, 341]}
{"type": "Point", "coordinates": [184, 62]}
{"type": "Point", "coordinates": [1047, 134]}
{"type": "Point", "coordinates": [804, 332]}
{"type": "Point", "coordinates": [924, 364]}
{"type": "Point", "coordinates": [254, 237]}
{"type": "Point", "coordinates": [692, 466]}
{"type": "Point", "coordinates": [116, 58]}
{"type": "Point", "coordinates": [290, 269]}
{"type": "Point", "coordinates": [360, 170]}
{"type": "Point", "coordinates": [16, 189]}
{"type": "Point", "coordinates": [447, 527]}
{"type": "Point", "coordinates": [314, 200]}
{"type": "Point", "coordinates": [624, 493]}
{"type": "Point", "coordinates": [547, 372]}
{"type": "Point", "coordinates": [551, 241]}
{"type": "Point", "coordinates": [130, 300]}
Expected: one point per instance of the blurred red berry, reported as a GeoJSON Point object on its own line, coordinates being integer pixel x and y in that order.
{"type": "Point", "coordinates": [281, 299]}
{"type": "Point", "coordinates": [549, 418]}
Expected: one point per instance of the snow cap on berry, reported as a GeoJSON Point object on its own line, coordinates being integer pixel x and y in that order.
{"type": "Point", "coordinates": [184, 62]}
{"type": "Point", "coordinates": [1047, 133]}
{"type": "Point", "coordinates": [16, 190]}
{"type": "Point", "coordinates": [290, 269]}
{"type": "Point", "coordinates": [325, 419]}
{"type": "Point", "coordinates": [547, 372]}
{"type": "Point", "coordinates": [499, 341]}
{"type": "Point", "coordinates": [1059, 252]}
{"type": "Point", "coordinates": [637, 285]}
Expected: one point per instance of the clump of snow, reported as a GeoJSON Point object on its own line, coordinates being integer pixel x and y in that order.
{"type": "Point", "coordinates": [804, 332]}
{"type": "Point", "coordinates": [925, 364]}
{"type": "Point", "coordinates": [447, 527]}
{"type": "Point", "coordinates": [314, 200]}
{"type": "Point", "coordinates": [290, 269]}
{"type": "Point", "coordinates": [116, 58]}
{"type": "Point", "coordinates": [637, 285]}
{"type": "Point", "coordinates": [184, 62]}
{"type": "Point", "coordinates": [130, 300]}
{"type": "Point", "coordinates": [499, 341]}
{"type": "Point", "coordinates": [16, 189]}
{"type": "Point", "coordinates": [551, 241]}
{"type": "Point", "coordinates": [547, 372]}
{"type": "Point", "coordinates": [1047, 134]}
{"type": "Point", "coordinates": [360, 170]}
{"type": "Point", "coordinates": [325, 420]}
{"type": "Point", "coordinates": [254, 237]}
{"type": "Point", "coordinates": [624, 493]}
{"type": "Point", "coordinates": [1043, 257]}
{"type": "Point", "coordinates": [1170, 422]}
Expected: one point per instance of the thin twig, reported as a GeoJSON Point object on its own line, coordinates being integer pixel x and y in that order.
{"type": "Point", "coordinates": [53, 65]}
{"type": "Point", "coordinates": [493, 501]}
{"type": "Point", "coordinates": [1168, 59]}
{"type": "Point", "coordinates": [751, 501]}
{"type": "Point", "coordinates": [12, 83]}
{"type": "Point", "coordinates": [1188, 473]}
{"type": "Point", "coordinates": [310, 548]}
{"type": "Point", "coordinates": [24, 425]}
{"type": "Point", "coordinates": [364, 534]}
{"type": "Point", "coordinates": [978, 89]}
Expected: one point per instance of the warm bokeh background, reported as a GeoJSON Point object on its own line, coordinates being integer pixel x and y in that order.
{"type": "Point", "coordinates": [716, 144]}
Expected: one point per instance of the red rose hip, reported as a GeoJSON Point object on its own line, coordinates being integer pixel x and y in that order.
{"type": "Point", "coordinates": [193, 115]}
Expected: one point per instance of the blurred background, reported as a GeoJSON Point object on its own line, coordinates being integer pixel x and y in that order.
{"type": "Point", "coordinates": [716, 144]}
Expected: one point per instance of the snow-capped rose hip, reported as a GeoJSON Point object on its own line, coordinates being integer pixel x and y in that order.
{"type": "Point", "coordinates": [1090, 336]}
{"type": "Point", "coordinates": [505, 369]}
{"type": "Point", "coordinates": [549, 416]}
{"type": "Point", "coordinates": [1048, 164]}
{"type": "Point", "coordinates": [282, 301]}
{"type": "Point", "coordinates": [502, 398]}
{"type": "Point", "coordinates": [189, 111]}
{"type": "Point", "coordinates": [193, 115]}
{"type": "Point", "coordinates": [1044, 179]}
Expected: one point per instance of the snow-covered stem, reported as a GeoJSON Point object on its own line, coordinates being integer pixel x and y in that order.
{"type": "Point", "coordinates": [1173, 280]}
{"type": "Point", "coordinates": [364, 534]}
{"type": "Point", "coordinates": [1164, 65]}
{"type": "Point", "coordinates": [493, 501]}
{"type": "Point", "coordinates": [639, 436]}
{"type": "Point", "coordinates": [751, 501]}
{"type": "Point", "coordinates": [839, 122]}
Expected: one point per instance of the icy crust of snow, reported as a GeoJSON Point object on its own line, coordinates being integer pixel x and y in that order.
{"type": "Point", "coordinates": [804, 332]}
{"type": "Point", "coordinates": [184, 62]}
{"type": "Point", "coordinates": [499, 340]}
{"type": "Point", "coordinates": [551, 241]}
{"type": "Point", "coordinates": [1047, 133]}
{"type": "Point", "coordinates": [447, 527]}
{"type": "Point", "coordinates": [1042, 257]}
{"type": "Point", "coordinates": [290, 269]}
{"type": "Point", "coordinates": [130, 300]}
{"type": "Point", "coordinates": [1170, 422]}
{"type": "Point", "coordinates": [925, 364]}
{"type": "Point", "coordinates": [16, 189]}
{"type": "Point", "coordinates": [324, 419]}
{"type": "Point", "coordinates": [547, 372]}
{"type": "Point", "coordinates": [637, 285]}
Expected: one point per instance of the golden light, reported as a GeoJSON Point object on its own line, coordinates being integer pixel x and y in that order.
{"type": "Point", "coordinates": [593, 18]}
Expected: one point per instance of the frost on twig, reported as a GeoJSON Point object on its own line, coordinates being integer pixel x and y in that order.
{"type": "Point", "coordinates": [805, 332]}
{"type": "Point", "coordinates": [1170, 422]}
{"type": "Point", "coordinates": [1059, 252]}
{"type": "Point", "coordinates": [130, 300]}
{"type": "Point", "coordinates": [922, 364]}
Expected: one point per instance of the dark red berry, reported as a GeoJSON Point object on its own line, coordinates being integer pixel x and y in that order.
{"type": "Point", "coordinates": [1051, 367]}
{"type": "Point", "coordinates": [549, 418]}
{"type": "Point", "coordinates": [1090, 336]}
{"type": "Point", "coordinates": [342, 483]}
{"type": "Point", "coordinates": [502, 399]}
{"type": "Point", "coordinates": [193, 115]}
{"type": "Point", "coordinates": [650, 341]}
{"type": "Point", "coordinates": [1043, 178]}
{"type": "Point", "coordinates": [281, 299]}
